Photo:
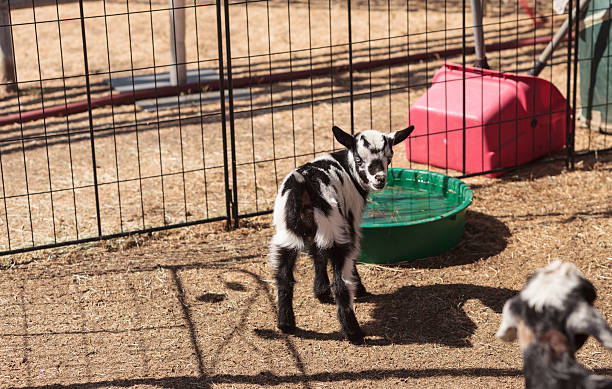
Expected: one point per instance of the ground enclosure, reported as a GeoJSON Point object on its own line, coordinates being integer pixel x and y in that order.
{"type": "Point", "coordinates": [194, 307]}
{"type": "Point", "coordinates": [168, 166]}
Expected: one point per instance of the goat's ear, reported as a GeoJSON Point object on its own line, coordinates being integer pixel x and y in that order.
{"type": "Point", "coordinates": [399, 136]}
{"type": "Point", "coordinates": [509, 323]}
{"type": "Point", "coordinates": [587, 320]}
{"type": "Point", "coordinates": [347, 140]}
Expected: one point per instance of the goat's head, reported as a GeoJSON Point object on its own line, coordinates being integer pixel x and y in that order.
{"type": "Point", "coordinates": [555, 307]}
{"type": "Point", "coordinates": [370, 154]}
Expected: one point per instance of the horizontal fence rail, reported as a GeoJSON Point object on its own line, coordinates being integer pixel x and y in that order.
{"type": "Point", "coordinates": [127, 117]}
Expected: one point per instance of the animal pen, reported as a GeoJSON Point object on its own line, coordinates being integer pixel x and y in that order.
{"type": "Point", "coordinates": [120, 117]}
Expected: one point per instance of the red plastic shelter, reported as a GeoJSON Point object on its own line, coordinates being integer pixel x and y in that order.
{"type": "Point", "coordinates": [510, 120]}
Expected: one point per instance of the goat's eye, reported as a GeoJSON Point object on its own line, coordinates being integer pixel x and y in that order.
{"type": "Point", "coordinates": [358, 161]}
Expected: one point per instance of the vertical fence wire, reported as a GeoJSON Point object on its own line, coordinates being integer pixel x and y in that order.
{"type": "Point", "coordinates": [157, 124]}
{"type": "Point", "coordinates": [63, 72]}
{"type": "Point", "coordinates": [90, 119]}
{"type": "Point", "coordinates": [312, 102]}
{"type": "Point", "coordinates": [409, 152]}
{"type": "Point", "coordinates": [575, 78]}
{"type": "Point", "coordinates": [252, 119]}
{"type": "Point", "coordinates": [390, 88]}
{"type": "Point", "coordinates": [201, 111]}
{"type": "Point", "coordinates": [568, 121]}
{"type": "Point", "coordinates": [135, 110]}
{"type": "Point", "coordinates": [113, 124]}
{"type": "Point", "coordinates": [463, 102]}
{"type": "Point", "coordinates": [291, 83]}
{"type": "Point", "coordinates": [275, 160]}
{"type": "Point", "coordinates": [445, 91]}
{"type": "Point", "coordinates": [22, 138]}
{"type": "Point", "coordinates": [350, 51]}
{"type": "Point", "coordinates": [331, 63]}
{"type": "Point", "coordinates": [178, 100]}
{"type": "Point", "coordinates": [44, 124]}
{"type": "Point", "coordinates": [370, 58]}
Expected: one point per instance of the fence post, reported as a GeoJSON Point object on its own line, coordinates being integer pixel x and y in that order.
{"type": "Point", "coordinates": [228, 190]}
{"type": "Point", "coordinates": [178, 66]}
{"type": "Point", "coordinates": [230, 92]}
{"type": "Point", "coordinates": [7, 61]}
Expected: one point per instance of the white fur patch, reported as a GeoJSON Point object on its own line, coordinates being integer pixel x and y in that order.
{"type": "Point", "coordinates": [508, 325]}
{"type": "Point", "coordinates": [375, 138]}
{"type": "Point", "coordinates": [373, 146]}
{"type": "Point", "coordinates": [551, 285]}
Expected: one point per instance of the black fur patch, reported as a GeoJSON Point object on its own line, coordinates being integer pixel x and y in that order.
{"type": "Point", "coordinates": [351, 219]}
{"type": "Point", "coordinates": [365, 142]}
{"type": "Point", "coordinates": [342, 158]}
{"type": "Point", "coordinates": [545, 369]}
{"type": "Point", "coordinates": [362, 175]}
{"type": "Point", "coordinates": [375, 167]}
{"type": "Point", "coordinates": [340, 178]}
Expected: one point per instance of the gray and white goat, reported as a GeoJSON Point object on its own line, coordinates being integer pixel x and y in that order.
{"type": "Point", "coordinates": [552, 317]}
{"type": "Point", "coordinates": [318, 208]}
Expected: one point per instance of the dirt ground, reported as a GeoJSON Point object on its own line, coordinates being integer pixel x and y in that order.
{"type": "Point", "coordinates": [194, 307]}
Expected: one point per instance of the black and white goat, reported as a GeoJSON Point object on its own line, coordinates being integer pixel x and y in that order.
{"type": "Point", "coordinates": [318, 208]}
{"type": "Point", "coordinates": [552, 317]}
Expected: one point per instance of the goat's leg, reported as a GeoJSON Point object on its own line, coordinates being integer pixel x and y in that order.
{"type": "Point", "coordinates": [321, 286]}
{"type": "Point", "coordinates": [283, 259]}
{"type": "Point", "coordinates": [344, 291]}
{"type": "Point", "coordinates": [360, 290]}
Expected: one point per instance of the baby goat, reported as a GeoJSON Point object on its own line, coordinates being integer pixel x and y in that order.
{"type": "Point", "coordinates": [553, 316]}
{"type": "Point", "coordinates": [318, 208]}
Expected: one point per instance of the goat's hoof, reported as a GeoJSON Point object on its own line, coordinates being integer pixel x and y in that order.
{"type": "Point", "coordinates": [361, 292]}
{"type": "Point", "coordinates": [325, 297]}
{"type": "Point", "coordinates": [355, 338]}
{"type": "Point", "coordinates": [286, 328]}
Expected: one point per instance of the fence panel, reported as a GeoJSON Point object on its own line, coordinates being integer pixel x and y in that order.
{"type": "Point", "coordinates": [158, 163]}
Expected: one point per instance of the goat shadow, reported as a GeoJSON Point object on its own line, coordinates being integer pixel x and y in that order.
{"type": "Point", "coordinates": [430, 314]}
{"type": "Point", "coordinates": [484, 236]}
{"type": "Point", "coordinates": [417, 315]}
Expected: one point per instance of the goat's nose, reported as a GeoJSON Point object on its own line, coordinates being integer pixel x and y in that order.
{"type": "Point", "coordinates": [380, 178]}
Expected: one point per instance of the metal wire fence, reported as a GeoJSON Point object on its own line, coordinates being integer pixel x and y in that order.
{"type": "Point", "coordinates": [99, 138]}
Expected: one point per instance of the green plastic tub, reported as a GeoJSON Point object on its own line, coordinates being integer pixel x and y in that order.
{"type": "Point", "coordinates": [419, 214]}
{"type": "Point", "coordinates": [594, 57]}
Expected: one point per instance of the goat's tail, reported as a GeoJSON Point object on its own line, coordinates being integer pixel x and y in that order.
{"type": "Point", "coordinates": [299, 210]}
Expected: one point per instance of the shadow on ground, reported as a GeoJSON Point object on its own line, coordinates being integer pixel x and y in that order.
{"type": "Point", "coordinates": [304, 380]}
{"type": "Point", "coordinates": [419, 314]}
{"type": "Point", "coordinates": [484, 237]}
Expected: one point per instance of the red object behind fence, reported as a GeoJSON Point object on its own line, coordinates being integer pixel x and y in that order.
{"type": "Point", "coordinates": [510, 120]}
